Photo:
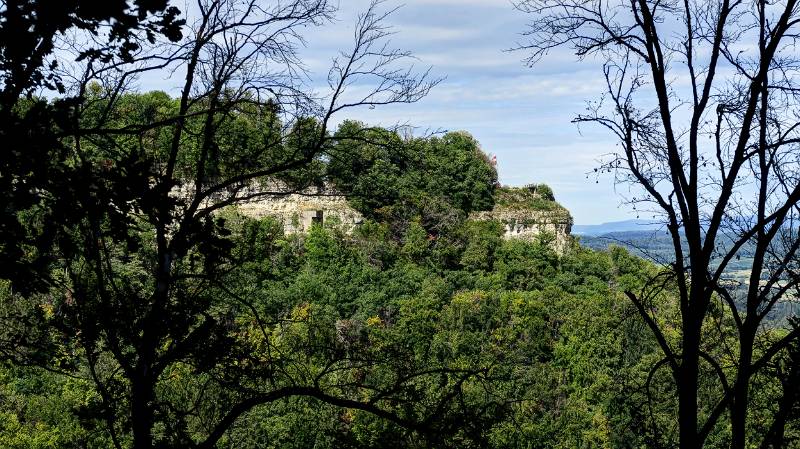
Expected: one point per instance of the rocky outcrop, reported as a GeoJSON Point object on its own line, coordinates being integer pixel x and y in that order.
{"type": "Point", "coordinates": [532, 224]}
{"type": "Point", "coordinates": [298, 211]}
{"type": "Point", "coordinates": [529, 213]}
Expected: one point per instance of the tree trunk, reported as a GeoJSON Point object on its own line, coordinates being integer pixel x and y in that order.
{"type": "Point", "coordinates": [741, 390]}
{"type": "Point", "coordinates": [775, 438]}
{"type": "Point", "coordinates": [687, 387]}
{"type": "Point", "coordinates": [142, 412]}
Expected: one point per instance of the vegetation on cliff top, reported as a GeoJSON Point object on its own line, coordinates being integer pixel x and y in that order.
{"type": "Point", "coordinates": [435, 180]}
{"type": "Point", "coordinates": [530, 197]}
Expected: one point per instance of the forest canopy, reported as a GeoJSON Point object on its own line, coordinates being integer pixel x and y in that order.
{"type": "Point", "coordinates": [422, 326]}
{"type": "Point", "coordinates": [141, 306]}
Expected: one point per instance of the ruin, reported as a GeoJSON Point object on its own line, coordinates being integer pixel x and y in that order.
{"type": "Point", "coordinates": [300, 210]}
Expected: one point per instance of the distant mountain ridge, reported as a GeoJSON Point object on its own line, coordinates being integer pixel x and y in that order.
{"type": "Point", "coordinates": [617, 226]}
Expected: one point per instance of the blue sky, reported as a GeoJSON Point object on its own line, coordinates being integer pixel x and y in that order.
{"type": "Point", "coordinates": [521, 114]}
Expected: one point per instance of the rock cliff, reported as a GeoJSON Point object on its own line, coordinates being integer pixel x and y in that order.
{"type": "Point", "coordinates": [298, 211]}
{"type": "Point", "coordinates": [530, 212]}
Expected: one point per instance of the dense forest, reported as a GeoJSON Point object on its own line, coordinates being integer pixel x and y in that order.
{"type": "Point", "coordinates": [142, 306]}
{"type": "Point", "coordinates": [420, 328]}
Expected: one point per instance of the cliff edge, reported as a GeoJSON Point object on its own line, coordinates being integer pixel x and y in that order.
{"type": "Point", "coordinates": [530, 212]}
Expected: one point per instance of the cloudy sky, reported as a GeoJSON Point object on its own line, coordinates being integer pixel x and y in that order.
{"type": "Point", "coordinates": [521, 114]}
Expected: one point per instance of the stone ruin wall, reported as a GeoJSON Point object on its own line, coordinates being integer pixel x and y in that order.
{"type": "Point", "coordinates": [299, 211]}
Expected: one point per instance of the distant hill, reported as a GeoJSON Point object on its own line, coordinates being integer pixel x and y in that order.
{"type": "Point", "coordinates": [656, 245]}
{"type": "Point", "coordinates": [633, 225]}
{"type": "Point", "coordinates": [652, 244]}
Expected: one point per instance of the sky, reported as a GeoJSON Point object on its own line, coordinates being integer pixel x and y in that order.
{"type": "Point", "coordinates": [521, 114]}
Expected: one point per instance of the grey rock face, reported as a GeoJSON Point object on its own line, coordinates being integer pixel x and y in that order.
{"type": "Point", "coordinates": [523, 213]}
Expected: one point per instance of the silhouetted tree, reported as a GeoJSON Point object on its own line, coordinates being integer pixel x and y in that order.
{"type": "Point", "coordinates": [140, 279]}
{"type": "Point", "coordinates": [703, 99]}
{"type": "Point", "coordinates": [32, 165]}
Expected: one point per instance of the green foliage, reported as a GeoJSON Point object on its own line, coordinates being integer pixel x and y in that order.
{"type": "Point", "coordinates": [437, 180]}
{"type": "Point", "coordinates": [42, 410]}
{"type": "Point", "coordinates": [546, 333]}
{"type": "Point", "coordinates": [533, 197]}
{"type": "Point", "coordinates": [540, 350]}
{"type": "Point", "coordinates": [420, 329]}
{"type": "Point", "coordinates": [483, 237]}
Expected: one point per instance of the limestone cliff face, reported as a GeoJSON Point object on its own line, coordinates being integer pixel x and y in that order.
{"type": "Point", "coordinates": [525, 212]}
{"type": "Point", "coordinates": [298, 211]}
{"type": "Point", "coordinates": [530, 212]}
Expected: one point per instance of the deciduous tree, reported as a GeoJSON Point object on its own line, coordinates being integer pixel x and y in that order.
{"type": "Point", "coordinates": [137, 290]}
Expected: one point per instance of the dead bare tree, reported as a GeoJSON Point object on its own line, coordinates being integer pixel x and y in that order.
{"type": "Point", "coordinates": [703, 99]}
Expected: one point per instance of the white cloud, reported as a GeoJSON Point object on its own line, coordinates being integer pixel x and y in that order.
{"type": "Point", "coordinates": [522, 115]}
{"type": "Point", "coordinates": [505, 4]}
